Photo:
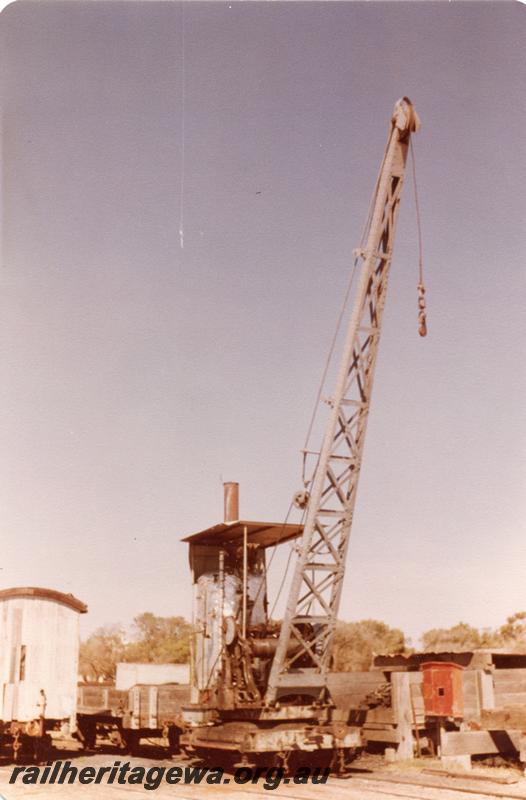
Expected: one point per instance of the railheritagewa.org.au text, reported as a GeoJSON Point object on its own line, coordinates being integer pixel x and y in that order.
{"type": "Point", "coordinates": [152, 777]}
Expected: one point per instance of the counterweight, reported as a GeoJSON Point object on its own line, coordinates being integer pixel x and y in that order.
{"type": "Point", "coordinates": [304, 650]}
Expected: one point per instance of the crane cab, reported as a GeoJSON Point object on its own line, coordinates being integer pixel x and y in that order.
{"type": "Point", "coordinates": [233, 646]}
{"type": "Point", "coordinates": [233, 637]}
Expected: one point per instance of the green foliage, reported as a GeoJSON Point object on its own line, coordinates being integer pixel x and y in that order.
{"type": "Point", "coordinates": [513, 632]}
{"type": "Point", "coordinates": [100, 653]}
{"type": "Point", "coordinates": [159, 640]}
{"type": "Point", "coordinates": [511, 636]}
{"type": "Point", "coordinates": [155, 640]}
{"type": "Point", "coordinates": [356, 644]}
{"type": "Point", "coordinates": [457, 638]}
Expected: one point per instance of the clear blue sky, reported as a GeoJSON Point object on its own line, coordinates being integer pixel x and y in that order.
{"type": "Point", "coordinates": [136, 374]}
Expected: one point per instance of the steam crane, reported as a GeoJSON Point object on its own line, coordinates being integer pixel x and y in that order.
{"type": "Point", "coordinates": [259, 687]}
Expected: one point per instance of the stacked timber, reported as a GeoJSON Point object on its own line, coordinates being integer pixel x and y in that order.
{"type": "Point", "coordinates": [494, 690]}
{"type": "Point", "coordinates": [494, 693]}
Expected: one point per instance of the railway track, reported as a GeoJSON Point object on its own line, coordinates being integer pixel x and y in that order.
{"type": "Point", "coordinates": [373, 787]}
{"type": "Point", "coordinates": [429, 788]}
{"type": "Point", "coordinates": [376, 784]}
{"type": "Point", "coordinates": [381, 785]}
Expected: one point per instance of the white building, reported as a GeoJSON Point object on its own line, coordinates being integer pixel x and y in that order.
{"type": "Point", "coordinates": [130, 674]}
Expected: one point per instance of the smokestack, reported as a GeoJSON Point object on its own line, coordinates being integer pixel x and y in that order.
{"type": "Point", "coordinates": [231, 496]}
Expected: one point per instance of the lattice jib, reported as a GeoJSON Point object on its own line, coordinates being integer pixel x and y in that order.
{"type": "Point", "coordinates": [304, 647]}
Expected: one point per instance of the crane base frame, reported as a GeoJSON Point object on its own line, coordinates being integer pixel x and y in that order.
{"type": "Point", "coordinates": [250, 739]}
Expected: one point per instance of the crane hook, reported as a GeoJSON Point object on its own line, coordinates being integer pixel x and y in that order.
{"type": "Point", "coordinates": [422, 325]}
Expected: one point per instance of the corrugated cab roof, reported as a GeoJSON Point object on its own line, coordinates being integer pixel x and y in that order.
{"type": "Point", "coordinates": [265, 534]}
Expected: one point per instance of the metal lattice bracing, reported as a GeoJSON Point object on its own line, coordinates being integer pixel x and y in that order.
{"type": "Point", "coordinates": [304, 649]}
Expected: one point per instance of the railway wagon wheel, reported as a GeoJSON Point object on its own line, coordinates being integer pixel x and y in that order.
{"type": "Point", "coordinates": [88, 732]}
{"type": "Point", "coordinates": [174, 735]}
{"type": "Point", "coordinates": [132, 741]}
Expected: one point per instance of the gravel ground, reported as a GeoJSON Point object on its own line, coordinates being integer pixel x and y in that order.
{"type": "Point", "coordinates": [369, 780]}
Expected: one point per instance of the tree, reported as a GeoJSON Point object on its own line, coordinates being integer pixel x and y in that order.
{"type": "Point", "coordinates": [458, 638]}
{"type": "Point", "coordinates": [100, 653]}
{"type": "Point", "coordinates": [513, 632]}
{"type": "Point", "coordinates": [356, 643]}
{"type": "Point", "coordinates": [159, 640]}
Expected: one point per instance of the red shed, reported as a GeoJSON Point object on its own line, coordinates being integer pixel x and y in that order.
{"type": "Point", "coordinates": [443, 689]}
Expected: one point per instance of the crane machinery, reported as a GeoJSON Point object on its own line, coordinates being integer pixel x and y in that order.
{"type": "Point", "coordinates": [260, 687]}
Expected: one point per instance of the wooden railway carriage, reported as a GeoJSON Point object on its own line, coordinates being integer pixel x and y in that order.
{"type": "Point", "coordinates": [39, 649]}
